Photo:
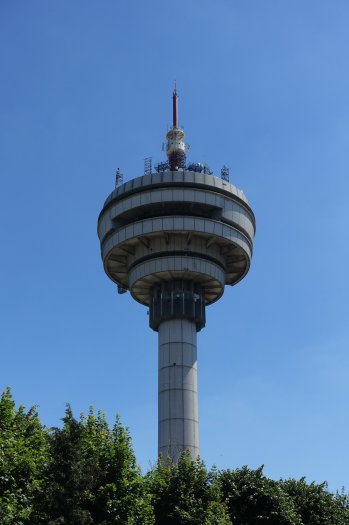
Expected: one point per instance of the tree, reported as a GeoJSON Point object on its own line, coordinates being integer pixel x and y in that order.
{"type": "Point", "coordinates": [253, 499]}
{"type": "Point", "coordinates": [121, 497]}
{"type": "Point", "coordinates": [92, 476]}
{"type": "Point", "coordinates": [23, 455]}
{"type": "Point", "coordinates": [85, 473]}
{"type": "Point", "coordinates": [185, 493]}
{"type": "Point", "coordinates": [315, 504]}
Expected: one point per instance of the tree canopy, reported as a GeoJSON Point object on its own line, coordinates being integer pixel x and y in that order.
{"type": "Point", "coordinates": [85, 473]}
{"type": "Point", "coordinates": [92, 476]}
{"type": "Point", "coordinates": [23, 455]}
{"type": "Point", "coordinates": [186, 493]}
{"type": "Point", "coordinates": [315, 505]}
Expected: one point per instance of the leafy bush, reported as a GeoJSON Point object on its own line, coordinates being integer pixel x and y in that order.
{"type": "Point", "coordinates": [85, 473]}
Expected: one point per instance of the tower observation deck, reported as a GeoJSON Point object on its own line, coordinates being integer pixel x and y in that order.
{"type": "Point", "coordinates": [174, 238]}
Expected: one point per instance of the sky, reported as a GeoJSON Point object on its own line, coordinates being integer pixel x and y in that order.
{"type": "Point", "coordinates": [263, 88]}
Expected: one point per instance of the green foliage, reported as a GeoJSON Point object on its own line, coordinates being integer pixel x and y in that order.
{"type": "Point", "coordinates": [85, 473]}
{"type": "Point", "coordinates": [315, 504]}
{"type": "Point", "coordinates": [23, 455]}
{"type": "Point", "coordinates": [92, 477]}
{"type": "Point", "coordinates": [185, 493]}
{"type": "Point", "coordinates": [253, 499]}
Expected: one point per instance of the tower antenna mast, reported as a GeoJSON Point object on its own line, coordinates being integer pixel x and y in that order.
{"type": "Point", "coordinates": [175, 107]}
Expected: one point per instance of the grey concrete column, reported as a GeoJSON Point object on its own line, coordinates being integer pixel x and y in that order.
{"type": "Point", "coordinates": [178, 389]}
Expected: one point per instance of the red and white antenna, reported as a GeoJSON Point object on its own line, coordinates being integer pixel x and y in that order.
{"type": "Point", "coordinates": [175, 147]}
{"type": "Point", "coordinates": [175, 107]}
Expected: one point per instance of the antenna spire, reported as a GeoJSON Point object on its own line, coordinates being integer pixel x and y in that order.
{"type": "Point", "coordinates": [175, 147]}
{"type": "Point", "coordinates": [175, 107]}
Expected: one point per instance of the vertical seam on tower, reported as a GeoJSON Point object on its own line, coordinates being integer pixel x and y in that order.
{"type": "Point", "coordinates": [182, 386]}
{"type": "Point", "coordinates": [170, 444]}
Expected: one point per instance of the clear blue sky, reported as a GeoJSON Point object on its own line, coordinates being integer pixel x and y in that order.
{"type": "Point", "coordinates": [85, 88]}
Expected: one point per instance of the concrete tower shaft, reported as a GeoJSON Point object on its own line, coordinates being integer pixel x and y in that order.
{"type": "Point", "coordinates": [178, 389]}
{"type": "Point", "coordinates": [174, 239]}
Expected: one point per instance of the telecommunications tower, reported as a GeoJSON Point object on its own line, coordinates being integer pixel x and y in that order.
{"type": "Point", "coordinates": [174, 238]}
